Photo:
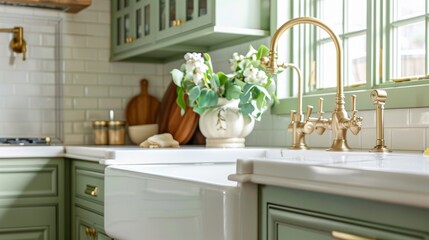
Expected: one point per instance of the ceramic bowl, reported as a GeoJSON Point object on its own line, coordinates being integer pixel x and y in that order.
{"type": "Point", "coordinates": [139, 133]}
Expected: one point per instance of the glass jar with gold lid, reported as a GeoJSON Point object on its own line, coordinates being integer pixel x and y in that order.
{"type": "Point", "coordinates": [100, 132]}
{"type": "Point", "coordinates": [116, 132]}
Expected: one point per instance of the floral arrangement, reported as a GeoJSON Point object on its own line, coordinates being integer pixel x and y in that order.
{"type": "Point", "coordinates": [248, 82]}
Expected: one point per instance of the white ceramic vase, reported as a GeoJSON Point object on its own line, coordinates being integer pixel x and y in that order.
{"type": "Point", "coordinates": [224, 125]}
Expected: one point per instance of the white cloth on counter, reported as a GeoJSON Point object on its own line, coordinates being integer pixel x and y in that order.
{"type": "Point", "coordinates": [164, 140]}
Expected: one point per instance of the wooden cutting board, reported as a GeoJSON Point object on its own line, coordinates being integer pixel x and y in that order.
{"type": "Point", "coordinates": [170, 120]}
{"type": "Point", "coordinates": [143, 108]}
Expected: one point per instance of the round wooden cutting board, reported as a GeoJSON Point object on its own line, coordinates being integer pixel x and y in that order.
{"type": "Point", "coordinates": [143, 108]}
{"type": "Point", "coordinates": [170, 120]}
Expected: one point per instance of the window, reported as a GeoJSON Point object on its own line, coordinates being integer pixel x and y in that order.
{"type": "Point", "coordinates": [385, 45]}
{"type": "Point", "coordinates": [407, 27]}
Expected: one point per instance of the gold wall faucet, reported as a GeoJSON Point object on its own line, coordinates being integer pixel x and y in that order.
{"type": "Point", "coordinates": [379, 99]}
{"type": "Point", "coordinates": [17, 44]}
{"type": "Point", "coordinates": [298, 125]}
{"type": "Point", "coordinates": [340, 122]}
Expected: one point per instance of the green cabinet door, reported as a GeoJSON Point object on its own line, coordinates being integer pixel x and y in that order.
{"type": "Point", "coordinates": [292, 214]}
{"type": "Point", "coordinates": [32, 199]}
{"type": "Point", "coordinates": [284, 224]}
{"type": "Point", "coordinates": [181, 16]}
{"type": "Point", "coordinates": [132, 26]}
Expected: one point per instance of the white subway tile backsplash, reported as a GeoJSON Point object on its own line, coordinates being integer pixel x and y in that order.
{"type": "Point", "coordinates": [96, 91]}
{"type": "Point", "coordinates": [74, 66]}
{"type": "Point", "coordinates": [96, 67]}
{"type": "Point", "coordinates": [99, 30]}
{"type": "Point", "coordinates": [120, 92]}
{"type": "Point", "coordinates": [408, 139]}
{"type": "Point", "coordinates": [74, 91]}
{"type": "Point", "coordinates": [84, 54]}
{"type": "Point", "coordinates": [103, 17]}
{"type": "Point", "coordinates": [74, 115]}
{"type": "Point", "coordinates": [119, 67]}
{"type": "Point", "coordinates": [85, 78]}
{"type": "Point", "coordinates": [397, 118]}
{"type": "Point", "coordinates": [75, 28]}
{"type": "Point", "coordinates": [419, 117]}
{"type": "Point", "coordinates": [108, 103]}
{"type": "Point", "coordinates": [74, 41]}
{"type": "Point", "coordinates": [368, 118]}
{"type": "Point", "coordinates": [113, 79]}
{"type": "Point", "coordinates": [86, 16]}
{"type": "Point", "coordinates": [42, 103]}
{"type": "Point", "coordinates": [85, 103]}
{"type": "Point", "coordinates": [27, 90]}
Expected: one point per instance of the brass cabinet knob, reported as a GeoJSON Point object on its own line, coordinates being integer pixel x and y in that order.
{"type": "Point", "coordinates": [129, 40]}
{"type": "Point", "coordinates": [91, 190]}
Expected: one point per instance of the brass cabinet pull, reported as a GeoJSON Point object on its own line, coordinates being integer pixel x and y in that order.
{"type": "Point", "coordinates": [177, 22]}
{"type": "Point", "coordinates": [92, 232]}
{"type": "Point", "coordinates": [91, 190]}
{"type": "Point", "coordinates": [129, 40]}
{"type": "Point", "coordinates": [347, 236]}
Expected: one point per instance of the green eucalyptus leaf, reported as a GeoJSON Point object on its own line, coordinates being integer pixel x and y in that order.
{"type": "Point", "coordinates": [177, 76]}
{"type": "Point", "coordinates": [232, 91]}
{"type": "Point", "coordinates": [199, 110]}
{"type": "Point", "coordinates": [194, 93]}
{"type": "Point", "coordinates": [208, 98]}
{"type": "Point", "coordinates": [247, 109]}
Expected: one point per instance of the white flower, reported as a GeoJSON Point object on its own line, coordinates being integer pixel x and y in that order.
{"type": "Point", "coordinates": [195, 67]}
{"type": "Point", "coordinates": [235, 60]}
{"type": "Point", "coordinates": [255, 76]}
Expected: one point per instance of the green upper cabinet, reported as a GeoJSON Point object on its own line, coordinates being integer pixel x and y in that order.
{"type": "Point", "coordinates": [132, 24]}
{"type": "Point", "coordinates": [163, 30]}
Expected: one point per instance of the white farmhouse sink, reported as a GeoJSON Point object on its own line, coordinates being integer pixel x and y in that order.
{"type": "Point", "coordinates": [179, 202]}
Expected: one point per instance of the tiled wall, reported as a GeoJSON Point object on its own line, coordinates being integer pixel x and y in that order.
{"type": "Point", "coordinates": [90, 85]}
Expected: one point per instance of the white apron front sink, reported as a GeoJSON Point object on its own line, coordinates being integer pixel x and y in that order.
{"type": "Point", "coordinates": [179, 202]}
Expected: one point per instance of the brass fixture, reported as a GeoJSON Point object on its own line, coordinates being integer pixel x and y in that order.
{"type": "Point", "coordinates": [298, 126]}
{"type": "Point", "coordinates": [339, 123]}
{"type": "Point", "coordinates": [348, 236]}
{"type": "Point", "coordinates": [91, 190]}
{"type": "Point", "coordinates": [129, 40]}
{"type": "Point", "coordinates": [17, 44]}
{"type": "Point", "coordinates": [379, 99]}
{"type": "Point", "coordinates": [91, 232]}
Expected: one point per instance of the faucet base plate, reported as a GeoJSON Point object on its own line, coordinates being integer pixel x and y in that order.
{"type": "Point", "coordinates": [380, 148]}
{"type": "Point", "coordinates": [340, 145]}
{"type": "Point", "coordinates": [299, 147]}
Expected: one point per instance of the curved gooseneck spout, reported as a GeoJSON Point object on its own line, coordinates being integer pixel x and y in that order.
{"type": "Point", "coordinates": [340, 121]}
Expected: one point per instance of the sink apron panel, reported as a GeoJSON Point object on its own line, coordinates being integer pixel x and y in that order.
{"type": "Point", "coordinates": [191, 201]}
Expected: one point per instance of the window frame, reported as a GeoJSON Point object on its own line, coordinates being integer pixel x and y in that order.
{"type": "Point", "coordinates": [409, 94]}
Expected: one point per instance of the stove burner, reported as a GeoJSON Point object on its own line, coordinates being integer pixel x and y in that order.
{"type": "Point", "coordinates": [25, 141]}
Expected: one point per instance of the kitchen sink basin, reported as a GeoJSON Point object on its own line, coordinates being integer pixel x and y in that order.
{"type": "Point", "coordinates": [180, 202]}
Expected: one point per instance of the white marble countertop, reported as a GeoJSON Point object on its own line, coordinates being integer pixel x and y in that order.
{"type": "Point", "coordinates": [401, 178]}
{"type": "Point", "coordinates": [122, 155]}
{"type": "Point", "coordinates": [31, 151]}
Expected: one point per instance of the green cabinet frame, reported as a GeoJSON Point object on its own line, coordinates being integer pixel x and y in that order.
{"type": "Point", "coordinates": [87, 200]}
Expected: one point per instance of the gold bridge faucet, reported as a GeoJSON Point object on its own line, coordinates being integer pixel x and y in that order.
{"type": "Point", "coordinates": [17, 44]}
{"type": "Point", "coordinates": [340, 122]}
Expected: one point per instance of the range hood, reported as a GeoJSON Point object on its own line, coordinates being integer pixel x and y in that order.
{"type": "Point", "coordinates": [69, 6]}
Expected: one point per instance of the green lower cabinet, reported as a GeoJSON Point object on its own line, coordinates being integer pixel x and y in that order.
{"type": "Point", "coordinates": [87, 181]}
{"type": "Point", "coordinates": [32, 199]}
{"type": "Point", "coordinates": [290, 214]}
